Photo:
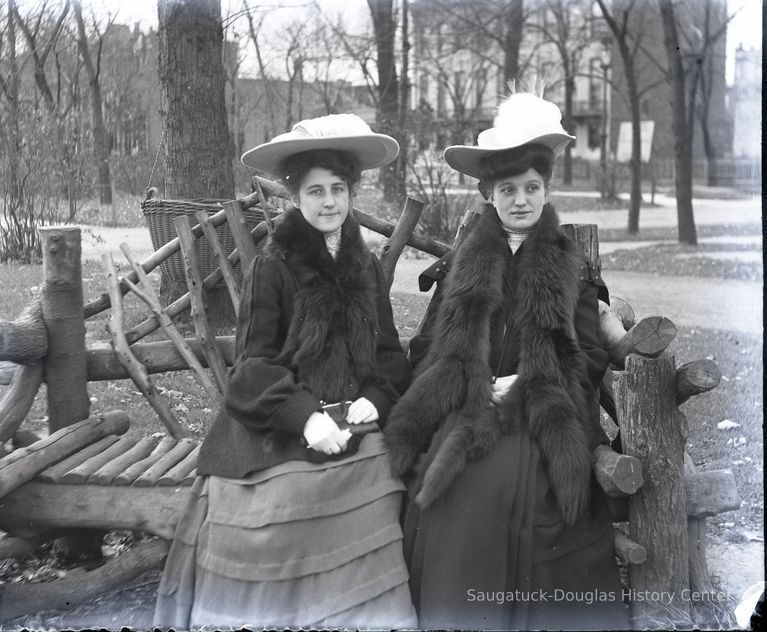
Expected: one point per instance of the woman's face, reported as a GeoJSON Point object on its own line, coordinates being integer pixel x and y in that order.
{"type": "Point", "coordinates": [324, 199]}
{"type": "Point", "coordinates": [519, 199]}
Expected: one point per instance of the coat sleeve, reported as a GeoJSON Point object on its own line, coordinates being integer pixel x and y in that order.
{"type": "Point", "coordinates": [587, 326]}
{"type": "Point", "coordinates": [261, 393]}
{"type": "Point", "coordinates": [392, 373]}
{"type": "Point", "coordinates": [436, 273]}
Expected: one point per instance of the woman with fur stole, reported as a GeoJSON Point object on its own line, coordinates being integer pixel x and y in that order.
{"type": "Point", "coordinates": [294, 517]}
{"type": "Point", "coordinates": [507, 529]}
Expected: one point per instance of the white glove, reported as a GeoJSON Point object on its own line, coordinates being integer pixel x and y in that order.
{"type": "Point", "coordinates": [361, 411]}
{"type": "Point", "coordinates": [501, 386]}
{"type": "Point", "coordinates": [322, 434]}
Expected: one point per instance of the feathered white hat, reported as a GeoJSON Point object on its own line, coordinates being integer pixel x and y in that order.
{"type": "Point", "coordinates": [341, 132]}
{"type": "Point", "coordinates": [522, 118]}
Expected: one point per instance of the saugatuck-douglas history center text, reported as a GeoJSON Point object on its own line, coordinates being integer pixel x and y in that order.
{"type": "Point", "coordinates": [592, 596]}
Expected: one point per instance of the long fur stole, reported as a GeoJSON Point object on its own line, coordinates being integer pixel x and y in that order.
{"type": "Point", "coordinates": [331, 339]}
{"type": "Point", "coordinates": [454, 379]}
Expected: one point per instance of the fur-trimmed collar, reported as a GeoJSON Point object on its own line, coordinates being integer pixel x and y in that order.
{"type": "Point", "coordinates": [331, 339]}
{"type": "Point", "coordinates": [455, 377]}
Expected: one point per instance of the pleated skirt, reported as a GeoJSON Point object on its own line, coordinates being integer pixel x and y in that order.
{"type": "Point", "coordinates": [296, 545]}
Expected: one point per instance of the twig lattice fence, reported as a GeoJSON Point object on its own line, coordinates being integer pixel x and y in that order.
{"type": "Point", "coordinates": [85, 475]}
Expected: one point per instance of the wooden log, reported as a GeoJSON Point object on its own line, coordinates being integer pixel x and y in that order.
{"type": "Point", "coordinates": [711, 493]}
{"type": "Point", "coordinates": [54, 473]}
{"type": "Point", "coordinates": [18, 399]}
{"type": "Point", "coordinates": [264, 207]}
{"type": "Point", "coordinates": [617, 474]}
{"type": "Point", "coordinates": [179, 472]}
{"type": "Point", "coordinates": [62, 308]}
{"type": "Point", "coordinates": [137, 469]}
{"type": "Point", "coordinates": [654, 431]}
{"type": "Point", "coordinates": [707, 610]}
{"type": "Point", "coordinates": [587, 237]}
{"type": "Point", "coordinates": [176, 454]}
{"type": "Point", "coordinates": [394, 246]}
{"type": "Point", "coordinates": [40, 507]}
{"type": "Point", "coordinates": [240, 233]}
{"type": "Point", "coordinates": [17, 548]}
{"type": "Point", "coordinates": [150, 263]}
{"type": "Point", "coordinates": [202, 326]}
{"type": "Point", "coordinates": [696, 377]}
{"type": "Point", "coordinates": [7, 371]}
{"type": "Point", "coordinates": [81, 473]}
{"type": "Point", "coordinates": [107, 472]}
{"type": "Point", "coordinates": [81, 585]}
{"type": "Point", "coordinates": [23, 438]}
{"type": "Point", "coordinates": [24, 464]}
{"type": "Point", "coordinates": [624, 311]}
{"type": "Point", "coordinates": [227, 271]}
{"type": "Point", "coordinates": [627, 551]}
{"type": "Point", "coordinates": [134, 368]}
{"type": "Point", "coordinates": [649, 337]}
{"type": "Point", "coordinates": [147, 294]}
{"type": "Point", "coordinates": [156, 357]}
{"type": "Point", "coordinates": [25, 340]}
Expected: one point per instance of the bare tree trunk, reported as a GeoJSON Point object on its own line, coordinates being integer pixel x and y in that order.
{"type": "Point", "coordinates": [679, 125]}
{"type": "Point", "coordinates": [404, 105]}
{"type": "Point", "coordinates": [567, 175]}
{"type": "Point", "coordinates": [198, 148]}
{"type": "Point", "coordinates": [635, 164]}
{"type": "Point", "coordinates": [515, 21]}
{"type": "Point", "coordinates": [382, 12]}
{"type": "Point", "coordinates": [11, 86]}
{"type": "Point", "coordinates": [100, 139]}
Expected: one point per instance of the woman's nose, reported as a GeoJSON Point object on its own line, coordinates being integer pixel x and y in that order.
{"type": "Point", "coordinates": [329, 200]}
{"type": "Point", "coordinates": [519, 199]}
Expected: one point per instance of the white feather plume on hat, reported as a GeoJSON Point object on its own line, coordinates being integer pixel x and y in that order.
{"type": "Point", "coordinates": [522, 118]}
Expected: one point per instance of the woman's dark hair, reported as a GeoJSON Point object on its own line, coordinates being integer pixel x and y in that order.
{"type": "Point", "coordinates": [512, 162]}
{"type": "Point", "coordinates": [341, 163]}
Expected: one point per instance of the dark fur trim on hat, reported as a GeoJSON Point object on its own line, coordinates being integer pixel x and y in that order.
{"type": "Point", "coordinates": [456, 378]}
{"type": "Point", "coordinates": [331, 340]}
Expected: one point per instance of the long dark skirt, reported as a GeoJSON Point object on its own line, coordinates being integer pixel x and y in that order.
{"type": "Point", "coordinates": [299, 544]}
{"type": "Point", "coordinates": [494, 552]}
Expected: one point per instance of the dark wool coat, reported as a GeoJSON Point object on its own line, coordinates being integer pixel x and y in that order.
{"type": "Point", "coordinates": [504, 496]}
{"type": "Point", "coordinates": [310, 330]}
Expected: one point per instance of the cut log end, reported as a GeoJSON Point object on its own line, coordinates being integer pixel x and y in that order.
{"type": "Point", "coordinates": [627, 551]}
{"type": "Point", "coordinates": [617, 474]}
{"type": "Point", "coordinates": [651, 336]}
{"type": "Point", "coordinates": [695, 378]}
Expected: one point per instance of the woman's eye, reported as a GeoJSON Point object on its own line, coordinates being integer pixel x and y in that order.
{"type": "Point", "coordinates": [533, 187]}
{"type": "Point", "coordinates": [339, 190]}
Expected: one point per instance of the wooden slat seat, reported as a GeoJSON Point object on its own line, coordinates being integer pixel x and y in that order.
{"type": "Point", "coordinates": [122, 461]}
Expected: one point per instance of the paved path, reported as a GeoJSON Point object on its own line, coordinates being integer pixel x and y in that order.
{"type": "Point", "coordinates": [688, 301]}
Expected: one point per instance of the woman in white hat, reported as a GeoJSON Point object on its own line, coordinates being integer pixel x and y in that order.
{"type": "Point", "coordinates": [295, 515]}
{"type": "Point", "coordinates": [507, 528]}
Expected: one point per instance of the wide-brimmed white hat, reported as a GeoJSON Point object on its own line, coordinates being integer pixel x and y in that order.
{"type": "Point", "coordinates": [522, 118]}
{"type": "Point", "coordinates": [341, 132]}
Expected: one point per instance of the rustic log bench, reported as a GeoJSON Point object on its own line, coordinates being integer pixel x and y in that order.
{"type": "Point", "coordinates": [86, 475]}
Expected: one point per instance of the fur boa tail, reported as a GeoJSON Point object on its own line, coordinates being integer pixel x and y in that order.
{"type": "Point", "coordinates": [454, 388]}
